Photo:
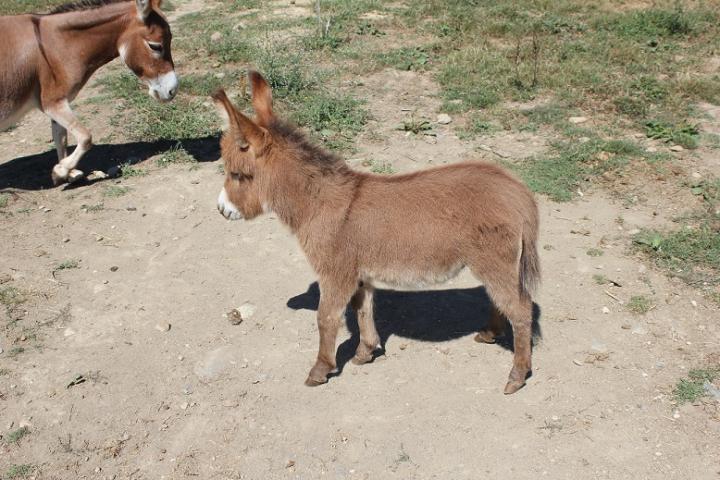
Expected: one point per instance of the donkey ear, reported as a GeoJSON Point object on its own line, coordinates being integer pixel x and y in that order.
{"type": "Point", "coordinates": [247, 133]}
{"type": "Point", "coordinates": [144, 7]}
{"type": "Point", "coordinates": [261, 98]}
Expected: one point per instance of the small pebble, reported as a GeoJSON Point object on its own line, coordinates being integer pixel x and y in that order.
{"type": "Point", "coordinates": [216, 37]}
{"type": "Point", "coordinates": [114, 268]}
{"type": "Point", "coordinates": [693, 303]}
{"type": "Point", "coordinates": [444, 119]}
{"type": "Point", "coordinates": [162, 327]}
{"type": "Point", "coordinates": [184, 406]}
{"type": "Point", "coordinates": [578, 363]}
{"type": "Point", "coordinates": [234, 317]}
{"type": "Point", "coordinates": [676, 148]}
{"type": "Point", "coordinates": [605, 310]}
{"type": "Point", "coordinates": [246, 310]}
{"type": "Point", "coordinates": [66, 240]}
{"type": "Point", "coordinates": [577, 120]}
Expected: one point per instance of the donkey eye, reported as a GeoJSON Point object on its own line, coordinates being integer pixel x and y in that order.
{"type": "Point", "coordinates": [155, 47]}
{"type": "Point", "coordinates": [240, 177]}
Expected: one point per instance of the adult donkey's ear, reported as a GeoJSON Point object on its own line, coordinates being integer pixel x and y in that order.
{"type": "Point", "coordinates": [144, 7]}
{"type": "Point", "coordinates": [245, 132]}
{"type": "Point", "coordinates": [261, 98]}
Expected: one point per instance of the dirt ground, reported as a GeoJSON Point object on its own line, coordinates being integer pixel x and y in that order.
{"type": "Point", "coordinates": [170, 389]}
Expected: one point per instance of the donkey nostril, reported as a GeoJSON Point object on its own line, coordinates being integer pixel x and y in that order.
{"type": "Point", "coordinates": [172, 92]}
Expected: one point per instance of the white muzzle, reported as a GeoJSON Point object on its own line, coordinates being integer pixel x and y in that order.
{"type": "Point", "coordinates": [226, 207]}
{"type": "Point", "coordinates": [164, 87]}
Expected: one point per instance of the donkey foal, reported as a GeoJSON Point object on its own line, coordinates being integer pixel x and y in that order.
{"type": "Point", "coordinates": [357, 229]}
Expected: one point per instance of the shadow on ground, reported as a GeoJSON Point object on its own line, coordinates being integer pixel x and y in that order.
{"type": "Point", "coordinates": [430, 316]}
{"type": "Point", "coordinates": [32, 172]}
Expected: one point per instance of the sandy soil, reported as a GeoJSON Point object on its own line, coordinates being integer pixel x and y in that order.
{"type": "Point", "coordinates": [173, 390]}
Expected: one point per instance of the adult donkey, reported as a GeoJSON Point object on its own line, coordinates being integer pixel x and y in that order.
{"type": "Point", "coordinates": [46, 59]}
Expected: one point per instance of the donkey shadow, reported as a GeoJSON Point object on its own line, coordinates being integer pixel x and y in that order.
{"type": "Point", "coordinates": [32, 172]}
{"type": "Point", "coordinates": [429, 316]}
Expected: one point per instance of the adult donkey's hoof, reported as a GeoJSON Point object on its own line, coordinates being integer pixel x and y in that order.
{"type": "Point", "coordinates": [314, 382]}
{"type": "Point", "coordinates": [513, 386]}
{"type": "Point", "coordinates": [75, 176]}
{"type": "Point", "coordinates": [59, 175]}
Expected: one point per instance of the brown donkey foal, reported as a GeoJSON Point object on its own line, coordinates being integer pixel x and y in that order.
{"type": "Point", "coordinates": [358, 229]}
{"type": "Point", "coordinates": [46, 59]}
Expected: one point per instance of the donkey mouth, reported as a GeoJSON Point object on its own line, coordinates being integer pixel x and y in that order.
{"type": "Point", "coordinates": [229, 214]}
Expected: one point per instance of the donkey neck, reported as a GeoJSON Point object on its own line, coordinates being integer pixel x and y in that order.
{"type": "Point", "coordinates": [90, 37]}
{"type": "Point", "coordinates": [309, 198]}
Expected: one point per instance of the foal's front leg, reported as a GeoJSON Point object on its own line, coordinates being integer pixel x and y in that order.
{"type": "Point", "coordinates": [362, 302]}
{"type": "Point", "coordinates": [62, 114]}
{"type": "Point", "coordinates": [333, 300]}
{"type": "Point", "coordinates": [59, 135]}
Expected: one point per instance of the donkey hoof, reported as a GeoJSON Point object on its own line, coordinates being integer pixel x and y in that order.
{"type": "Point", "coordinates": [360, 359]}
{"type": "Point", "coordinates": [314, 382]}
{"type": "Point", "coordinates": [59, 176]}
{"type": "Point", "coordinates": [513, 386]}
{"type": "Point", "coordinates": [75, 175]}
{"type": "Point", "coordinates": [485, 336]}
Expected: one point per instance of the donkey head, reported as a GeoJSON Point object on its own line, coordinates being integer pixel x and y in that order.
{"type": "Point", "coordinates": [144, 46]}
{"type": "Point", "coordinates": [245, 147]}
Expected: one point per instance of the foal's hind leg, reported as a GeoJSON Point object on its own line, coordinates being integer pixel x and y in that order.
{"type": "Point", "coordinates": [518, 309]}
{"type": "Point", "coordinates": [62, 114]}
{"type": "Point", "coordinates": [333, 300]}
{"type": "Point", "coordinates": [362, 302]}
{"type": "Point", "coordinates": [495, 327]}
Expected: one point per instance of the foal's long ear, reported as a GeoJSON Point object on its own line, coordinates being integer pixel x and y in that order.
{"type": "Point", "coordinates": [247, 133]}
{"type": "Point", "coordinates": [261, 98]}
{"type": "Point", "coordinates": [144, 7]}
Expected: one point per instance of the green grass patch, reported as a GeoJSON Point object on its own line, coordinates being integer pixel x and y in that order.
{"type": "Point", "coordinates": [683, 134]}
{"type": "Point", "coordinates": [334, 118]}
{"type": "Point", "coordinates": [382, 168]}
{"type": "Point", "coordinates": [114, 191]}
{"type": "Point", "coordinates": [4, 200]}
{"type": "Point", "coordinates": [11, 297]}
{"type": "Point", "coordinates": [595, 252]}
{"type": "Point", "coordinates": [127, 171]}
{"type": "Point", "coordinates": [176, 155]}
{"type": "Point", "coordinates": [67, 265]}
{"type": "Point", "coordinates": [14, 7]}
{"type": "Point", "coordinates": [15, 351]}
{"type": "Point", "coordinates": [407, 58]}
{"type": "Point", "coordinates": [692, 388]}
{"type": "Point", "coordinates": [558, 175]}
{"type": "Point", "coordinates": [16, 435]}
{"type": "Point", "coordinates": [639, 304]}
{"type": "Point", "coordinates": [15, 472]}
{"type": "Point", "coordinates": [148, 119]}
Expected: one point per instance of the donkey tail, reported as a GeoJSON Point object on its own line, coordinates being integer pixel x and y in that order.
{"type": "Point", "coordinates": [529, 260]}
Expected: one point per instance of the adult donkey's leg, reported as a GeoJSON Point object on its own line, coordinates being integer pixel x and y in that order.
{"type": "Point", "coordinates": [59, 135]}
{"type": "Point", "coordinates": [333, 300]}
{"type": "Point", "coordinates": [62, 114]}
{"type": "Point", "coordinates": [362, 302]}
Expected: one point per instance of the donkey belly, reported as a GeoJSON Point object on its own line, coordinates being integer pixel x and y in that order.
{"type": "Point", "coordinates": [12, 112]}
{"type": "Point", "coordinates": [409, 278]}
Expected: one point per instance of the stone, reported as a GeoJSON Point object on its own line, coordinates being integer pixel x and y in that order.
{"type": "Point", "coordinates": [577, 120]}
{"type": "Point", "coordinates": [605, 310]}
{"type": "Point", "coordinates": [216, 37]}
{"type": "Point", "coordinates": [676, 148]}
{"type": "Point", "coordinates": [247, 310]}
{"type": "Point", "coordinates": [444, 119]}
{"type": "Point", "coordinates": [163, 327]}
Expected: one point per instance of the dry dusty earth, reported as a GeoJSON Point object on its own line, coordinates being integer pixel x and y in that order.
{"type": "Point", "coordinates": [207, 399]}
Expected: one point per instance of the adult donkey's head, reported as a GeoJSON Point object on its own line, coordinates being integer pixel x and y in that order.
{"type": "Point", "coordinates": [144, 46]}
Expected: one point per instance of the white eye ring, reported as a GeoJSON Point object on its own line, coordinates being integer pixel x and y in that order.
{"type": "Point", "coordinates": [155, 47]}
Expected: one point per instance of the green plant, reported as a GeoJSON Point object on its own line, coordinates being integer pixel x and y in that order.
{"type": "Point", "coordinates": [639, 304]}
{"type": "Point", "coordinates": [175, 155]}
{"type": "Point", "coordinates": [113, 191]}
{"type": "Point", "coordinates": [16, 435]}
{"type": "Point", "coordinates": [415, 125]}
{"type": "Point", "coordinates": [692, 388]}
{"type": "Point", "coordinates": [127, 171]}
{"type": "Point", "coordinates": [683, 134]}
{"type": "Point", "coordinates": [18, 471]}
{"type": "Point", "coordinates": [67, 265]}
{"type": "Point", "coordinates": [595, 252]}
{"type": "Point", "coordinates": [382, 168]}
{"type": "Point", "coordinates": [4, 199]}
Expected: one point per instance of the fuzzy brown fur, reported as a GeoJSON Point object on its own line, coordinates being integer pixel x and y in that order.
{"type": "Point", "coordinates": [359, 229]}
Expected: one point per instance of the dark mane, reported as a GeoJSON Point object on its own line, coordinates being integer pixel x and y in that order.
{"type": "Point", "coordinates": [309, 152]}
{"type": "Point", "coordinates": [80, 5]}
